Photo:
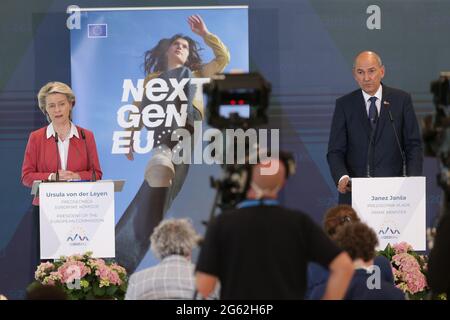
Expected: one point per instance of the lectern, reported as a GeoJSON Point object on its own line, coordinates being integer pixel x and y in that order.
{"type": "Point", "coordinates": [76, 217]}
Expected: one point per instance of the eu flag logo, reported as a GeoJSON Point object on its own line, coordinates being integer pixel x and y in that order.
{"type": "Point", "coordinates": [98, 30]}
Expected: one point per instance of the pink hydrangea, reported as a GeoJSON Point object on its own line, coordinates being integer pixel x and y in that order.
{"type": "Point", "coordinates": [52, 278]}
{"type": "Point", "coordinates": [68, 269]}
{"type": "Point", "coordinates": [43, 269]}
{"type": "Point", "coordinates": [409, 273]}
{"type": "Point", "coordinates": [118, 268]}
{"type": "Point", "coordinates": [96, 263]}
{"type": "Point", "coordinates": [402, 247]}
{"type": "Point", "coordinates": [108, 276]}
{"type": "Point", "coordinates": [114, 278]}
{"type": "Point", "coordinates": [73, 269]}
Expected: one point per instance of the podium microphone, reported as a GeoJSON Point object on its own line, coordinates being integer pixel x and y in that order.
{"type": "Point", "coordinates": [391, 118]}
{"type": "Point", "coordinates": [57, 156]}
{"type": "Point", "coordinates": [369, 150]}
{"type": "Point", "coordinates": [93, 178]}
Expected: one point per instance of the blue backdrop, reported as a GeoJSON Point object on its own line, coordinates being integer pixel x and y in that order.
{"type": "Point", "coordinates": [305, 48]}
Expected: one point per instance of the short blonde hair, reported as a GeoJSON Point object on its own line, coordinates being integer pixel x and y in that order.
{"type": "Point", "coordinates": [174, 236]}
{"type": "Point", "coordinates": [54, 87]}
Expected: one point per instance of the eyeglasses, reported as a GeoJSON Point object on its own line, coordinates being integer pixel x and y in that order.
{"type": "Point", "coordinates": [341, 221]}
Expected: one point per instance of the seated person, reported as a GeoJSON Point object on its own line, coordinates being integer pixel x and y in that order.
{"type": "Point", "coordinates": [172, 241]}
{"type": "Point", "coordinates": [38, 291]}
{"type": "Point", "coordinates": [360, 241]}
{"type": "Point", "coordinates": [336, 217]}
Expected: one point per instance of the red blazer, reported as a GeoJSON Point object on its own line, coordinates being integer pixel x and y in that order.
{"type": "Point", "coordinates": [40, 158]}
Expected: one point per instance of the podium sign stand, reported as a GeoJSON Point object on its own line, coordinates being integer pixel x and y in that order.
{"type": "Point", "coordinates": [76, 217]}
{"type": "Point", "coordinates": [394, 207]}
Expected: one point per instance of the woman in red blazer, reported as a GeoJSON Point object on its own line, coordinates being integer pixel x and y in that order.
{"type": "Point", "coordinates": [60, 151]}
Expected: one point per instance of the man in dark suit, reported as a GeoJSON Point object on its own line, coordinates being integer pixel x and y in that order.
{"type": "Point", "coordinates": [363, 116]}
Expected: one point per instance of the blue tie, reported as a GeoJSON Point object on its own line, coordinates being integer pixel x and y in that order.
{"type": "Point", "coordinates": [373, 112]}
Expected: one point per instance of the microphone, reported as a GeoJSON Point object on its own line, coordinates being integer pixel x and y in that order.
{"type": "Point", "coordinates": [391, 118]}
{"type": "Point", "coordinates": [57, 156]}
{"type": "Point", "coordinates": [93, 178]}
{"type": "Point", "coordinates": [369, 152]}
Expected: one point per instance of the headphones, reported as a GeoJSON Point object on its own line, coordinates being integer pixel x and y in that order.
{"type": "Point", "coordinates": [240, 175]}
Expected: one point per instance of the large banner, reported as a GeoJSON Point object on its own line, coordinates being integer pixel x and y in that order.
{"type": "Point", "coordinates": [123, 83]}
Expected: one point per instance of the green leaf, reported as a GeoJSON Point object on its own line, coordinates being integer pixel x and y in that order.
{"type": "Point", "coordinates": [419, 295]}
{"type": "Point", "coordinates": [99, 292]}
{"type": "Point", "coordinates": [90, 296]}
{"type": "Point", "coordinates": [123, 287]}
{"type": "Point", "coordinates": [111, 290]}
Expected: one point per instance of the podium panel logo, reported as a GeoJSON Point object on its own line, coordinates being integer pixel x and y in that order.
{"type": "Point", "coordinates": [389, 231]}
{"type": "Point", "coordinates": [77, 236]}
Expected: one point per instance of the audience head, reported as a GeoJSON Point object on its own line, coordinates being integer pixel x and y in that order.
{"type": "Point", "coordinates": [338, 216]}
{"type": "Point", "coordinates": [358, 240]}
{"type": "Point", "coordinates": [267, 179]}
{"type": "Point", "coordinates": [45, 292]}
{"type": "Point", "coordinates": [269, 174]}
{"type": "Point", "coordinates": [174, 237]}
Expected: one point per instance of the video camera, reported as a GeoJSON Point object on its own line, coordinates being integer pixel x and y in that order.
{"type": "Point", "coordinates": [236, 181]}
{"type": "Point", "coordinates": [237, 100]}
{"type": "Point", "coordinates": [441, 89]}
{"type": "Point", "coordinates": [436, 129]}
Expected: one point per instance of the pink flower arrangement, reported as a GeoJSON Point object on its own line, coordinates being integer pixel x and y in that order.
{"type": "Point", "coordinates": [83, 277]}
{"type": "Point", "coordinates": [402, 247]}
{"type": "Point", "coordinates": [408, 273]}
{"type": "Point", "coordinates": [409, 269]}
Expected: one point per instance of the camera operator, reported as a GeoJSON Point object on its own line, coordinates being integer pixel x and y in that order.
{"type": "Point", "coordinates": [436, 134]}
{"type": "Point", "coordinates": [260, 250]}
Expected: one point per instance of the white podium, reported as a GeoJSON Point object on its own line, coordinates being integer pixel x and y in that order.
{"type": "Point", "coordinates": [394, 207]}
{"type": "Point", "coordinates": [76, 217]}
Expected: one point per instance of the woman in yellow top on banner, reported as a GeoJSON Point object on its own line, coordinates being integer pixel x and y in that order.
{"type": "Point", "coordinates": [174, 58]}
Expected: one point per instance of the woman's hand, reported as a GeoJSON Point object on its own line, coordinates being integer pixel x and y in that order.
{"type": "Point", "coordinates": [68, 175]}
{"type": "Point", "coordinates": [197, 25]}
